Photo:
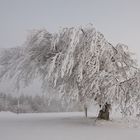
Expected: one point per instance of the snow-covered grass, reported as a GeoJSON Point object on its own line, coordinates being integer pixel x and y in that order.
{"type": "Point", "coordinates": [65, 126]}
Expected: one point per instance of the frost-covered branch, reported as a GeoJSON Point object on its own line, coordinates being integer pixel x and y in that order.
{"type": "Point", "coordinates": [78, 62]}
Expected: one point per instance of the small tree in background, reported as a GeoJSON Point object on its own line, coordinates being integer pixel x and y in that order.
{"type": "Point", "coordinates": [80, 64]}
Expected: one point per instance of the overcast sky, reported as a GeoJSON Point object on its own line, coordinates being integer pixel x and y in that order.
{"type": "Point", "coordinates": [118, 20]}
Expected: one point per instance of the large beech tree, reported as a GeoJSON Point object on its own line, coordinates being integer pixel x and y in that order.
{"type": "Point", "coordinates": [80, 64]}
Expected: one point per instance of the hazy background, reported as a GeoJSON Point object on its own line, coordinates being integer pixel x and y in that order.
{"type": "Point", "coordinates": [118, 20]}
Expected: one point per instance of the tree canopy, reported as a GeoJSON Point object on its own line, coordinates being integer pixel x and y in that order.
{"type": "Point", "coordinates": [79, 63]}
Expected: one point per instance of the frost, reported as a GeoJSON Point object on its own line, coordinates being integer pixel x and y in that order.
{"type": "Point", "coordinates": [79, 63]}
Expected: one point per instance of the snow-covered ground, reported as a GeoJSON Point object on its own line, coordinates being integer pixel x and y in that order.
{"type": "Point", "coordinates": [65, 126]}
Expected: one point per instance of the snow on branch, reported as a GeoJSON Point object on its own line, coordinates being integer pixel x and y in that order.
{"type": "Point", "coordinates": [79, 63]}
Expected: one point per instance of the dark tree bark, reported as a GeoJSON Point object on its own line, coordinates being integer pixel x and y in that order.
{"type": "Point", "coordinates": [104, 112]}
{"type": "Point", "coordinates": [85, 109]}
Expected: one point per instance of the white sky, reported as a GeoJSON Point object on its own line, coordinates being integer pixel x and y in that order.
{"type": "Point", "coordinates": [118, 20]}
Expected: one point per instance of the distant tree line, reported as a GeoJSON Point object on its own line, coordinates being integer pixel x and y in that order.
{"type": "Point", "coordinates": [34, 104]}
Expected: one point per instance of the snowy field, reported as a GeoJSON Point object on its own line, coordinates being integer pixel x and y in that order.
{"type": "Point", "coordinates": [65, 126]}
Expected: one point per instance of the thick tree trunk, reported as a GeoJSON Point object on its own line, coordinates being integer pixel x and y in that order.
{"type": "Point", "coordinates": [85, 109]}
{"type": "Point", "coordinates": [104, 112]}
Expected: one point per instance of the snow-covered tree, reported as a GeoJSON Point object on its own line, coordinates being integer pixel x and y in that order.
{"type": "Point", "coordinates": [80, 64]}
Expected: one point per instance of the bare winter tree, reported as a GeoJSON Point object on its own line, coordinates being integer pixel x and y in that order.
{"type": "Point", "coordinates": [80, 64]}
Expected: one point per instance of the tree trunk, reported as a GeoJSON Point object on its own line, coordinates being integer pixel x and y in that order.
{"type": "Point", "coordinates": [104, 112]}
{"type": "Point", "coordinates": [85, 109]}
